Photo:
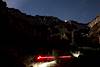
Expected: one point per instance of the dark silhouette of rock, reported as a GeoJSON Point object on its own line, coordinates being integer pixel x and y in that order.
{"type": "Point", "coordinates": [20, 29]}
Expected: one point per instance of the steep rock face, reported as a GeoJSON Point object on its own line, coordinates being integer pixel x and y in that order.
{"type": "Point", "coordinates": [94, 22]}
{"type": "Point", "coordinates": [17, 28]}
{"type": "Point", "coordinates": [94, 33]}
{"type": "Point", "coordinates": [20, 28]}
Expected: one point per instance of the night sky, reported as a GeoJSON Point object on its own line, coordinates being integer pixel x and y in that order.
{"type": "Point", "coordinates": [80, 10]}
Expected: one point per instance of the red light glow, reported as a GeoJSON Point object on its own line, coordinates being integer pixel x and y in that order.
{"type": "Point", "coordinates": [45, 57]}
{"type": "Point", "coordinates": [65, 56]}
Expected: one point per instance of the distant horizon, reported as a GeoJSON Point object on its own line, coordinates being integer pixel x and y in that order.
{"type": "Point", "coordinates": [82, 11]}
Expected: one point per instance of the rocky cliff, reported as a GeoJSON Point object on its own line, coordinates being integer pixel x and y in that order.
{"type": "Point", "coordinates": [20, 28]}
{"type": "Point", "coordinates": [94, 32]}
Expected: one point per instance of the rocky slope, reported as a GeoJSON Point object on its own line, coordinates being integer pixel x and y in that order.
{"type": "Point", "coordinates": [94, 32]}
{"type": "Point", "coordinates": [20, 28]}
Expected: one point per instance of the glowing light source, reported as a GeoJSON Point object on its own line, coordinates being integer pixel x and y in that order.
{"type": "Point", "coordinates": [76, 54]}
{"type": "Point", "coordinates": [45, 64]}
{"type": "Point", "coordinates": [66, 20]}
